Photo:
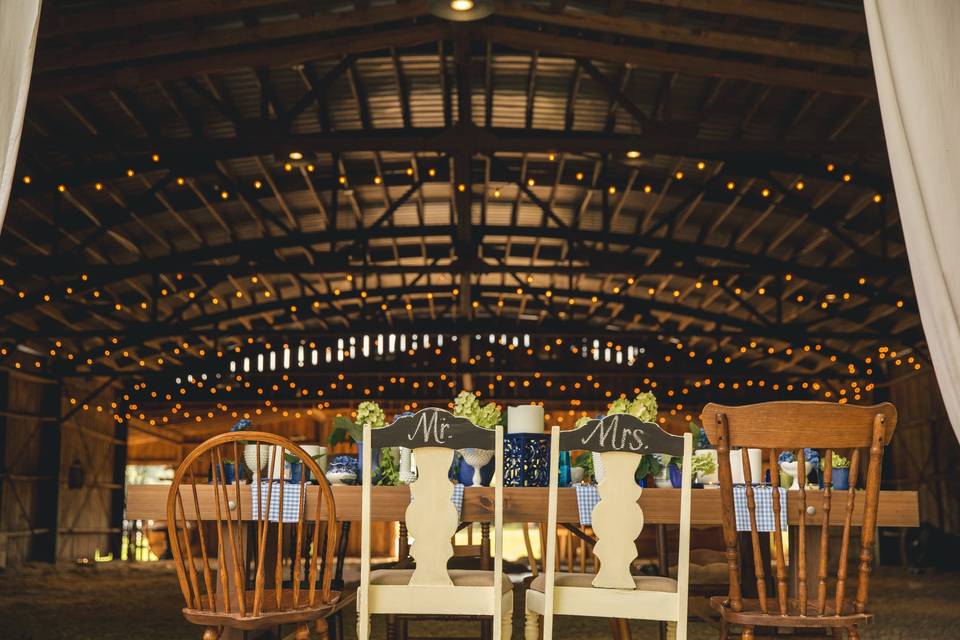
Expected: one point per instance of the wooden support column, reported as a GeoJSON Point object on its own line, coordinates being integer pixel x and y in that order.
{"type": "Point", "coordinates": [119, 490]}
{"type": "Point", "coordinates": [47, 519]}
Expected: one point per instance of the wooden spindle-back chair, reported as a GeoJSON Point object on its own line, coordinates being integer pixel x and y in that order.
{"type": "Point", "coordinates": [776, 427]}
{"type": "Point", "coordinates": [248, 577]}
{"type": "Point", "coordinates": [617, 520]}
{"type": "Point", "coordinates": [432, 519]}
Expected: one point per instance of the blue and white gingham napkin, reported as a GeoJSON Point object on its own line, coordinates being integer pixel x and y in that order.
{"type": "Point", "coordinates": [588, 495]}
{"type": "Point", "coordinates": [763, 497]}
{"type": "Point", "coordinates": [291, 501]}
{"type": "Point", "coordinates": [457, 498]}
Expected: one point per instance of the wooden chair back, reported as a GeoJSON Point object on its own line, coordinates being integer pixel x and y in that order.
{"type": "Point", "coordinates": [617, 520]}
{"type": "Point", "coordinates": [792, 426]}
{"type": "Point", "coordinates": [431, 518]}
{"type": "Point", "coordinates": [233, 574]}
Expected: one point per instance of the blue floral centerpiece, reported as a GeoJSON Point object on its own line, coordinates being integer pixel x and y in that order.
{"type": "Point", "coordinates": [789, 466]}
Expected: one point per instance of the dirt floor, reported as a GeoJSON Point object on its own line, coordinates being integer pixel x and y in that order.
{"type": "Point", "coordinates": [142, 600]}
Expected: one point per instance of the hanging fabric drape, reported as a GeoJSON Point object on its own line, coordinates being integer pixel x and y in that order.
{"type": "Point", "coordinates": [19, 20]}
{"type": "Point", "coordinates": [916, 54]}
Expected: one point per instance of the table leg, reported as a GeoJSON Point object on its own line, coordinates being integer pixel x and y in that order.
{"type": "Point", "coordinates": [486, 563]}
{"type": "Point", "coordinates": [404, 547]}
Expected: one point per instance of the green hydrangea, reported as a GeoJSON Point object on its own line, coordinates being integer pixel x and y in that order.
{"type": "Point", "coordinates": [643, 407]}
{"type": "Point", "coordinates": [369, 412]}
{"type": "Point", "coordinates": [582, 420]}
{"type": "Point", "coordinates": [466, 405]}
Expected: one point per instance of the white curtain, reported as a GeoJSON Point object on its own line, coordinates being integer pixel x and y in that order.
{"type": "Point", "coordinates": [916, 57]}
{"type": "Point", "coordinates": [19, 20]}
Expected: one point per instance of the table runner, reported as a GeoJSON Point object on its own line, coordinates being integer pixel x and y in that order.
{"type": "Point", "coordinates": [588, 496]}
{"type": "Point", "coordinates": [763, 497]}
{"type": "Point", "coordinates": [291, 500]}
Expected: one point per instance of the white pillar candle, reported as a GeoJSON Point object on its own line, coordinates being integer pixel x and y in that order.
{"type": "Point", "coordinates": [527, 418]}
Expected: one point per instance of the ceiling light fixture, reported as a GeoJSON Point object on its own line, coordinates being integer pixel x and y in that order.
{"type": "Point", "coordinates": [461, 10]}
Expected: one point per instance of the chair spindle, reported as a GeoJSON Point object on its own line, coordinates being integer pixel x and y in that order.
{"type": "Point", "coordinates": [802, 533]}
{"type": "Point", "coordinates": [758, 567]}
{"type": "Point", "coordinates": [780, 560]}
{"type": "Point", "coordinates": [824, 533]}
{"type": "Point", "coordinates": [845, 538]}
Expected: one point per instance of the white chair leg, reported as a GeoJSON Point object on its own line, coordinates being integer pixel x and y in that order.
{"type": "Point", "coordinates": [506, 619]}
{"type": "Point", "coordinates": [531, 627]}
{"type": "Point", "coordinates": [363, 626]}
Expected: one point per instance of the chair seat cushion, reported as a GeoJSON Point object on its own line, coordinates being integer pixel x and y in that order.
{"type": "Point", "coordinates": [644, 583]}
{"type": "Point", "coordinates": [460, 578]}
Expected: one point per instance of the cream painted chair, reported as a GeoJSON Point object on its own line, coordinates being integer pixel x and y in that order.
{"type": "Point", "coordinates": [617, 520]}
{"type": "Point", "coordinates": [432, 519]}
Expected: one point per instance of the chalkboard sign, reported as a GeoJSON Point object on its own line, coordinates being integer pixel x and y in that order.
{"type": "Point", "coordinates": [622, 432]}
{"type": "Point", "coordinates": [433, 428]}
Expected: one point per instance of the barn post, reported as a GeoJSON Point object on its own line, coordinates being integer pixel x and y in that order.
{"type": "Point", "coordinates": [44, 546]}
{"type": "Point", "coordinates": [119, 493]}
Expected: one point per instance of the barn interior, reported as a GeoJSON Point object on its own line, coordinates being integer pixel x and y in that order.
{"type": "Point", "coordinates": [274, 210]}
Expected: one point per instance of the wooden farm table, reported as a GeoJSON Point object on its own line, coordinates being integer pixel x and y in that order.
{"type": "Point", "coordinates": [529, 504]}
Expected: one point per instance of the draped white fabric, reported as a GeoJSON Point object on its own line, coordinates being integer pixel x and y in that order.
{"type": "Point", "coordinates": [19, 20]}
{"type": "Point", "coordinates": [916, 58]}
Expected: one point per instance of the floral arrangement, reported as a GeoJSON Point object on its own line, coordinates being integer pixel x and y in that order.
{"type": "Point", "coordinates": [241, 425]}
{"type": "Point", "coordinates": [467, 405]}
{"type": "Point", "coordinates": [837, 461]}
{"type": "Point", "coordinates": [650, 465]}
{"type": "Point", "coordinates": [812, 456]}
{"type": "Point", "coordinates": [585, 461]}
{"type": "Point", "coordinates": [643, 407]}
{"type": "Point", "coordinates": [389, 467]}
{"type": "Point", "coordinates": [368, 412]}
{"type": "Point", "coordinates": [703, 464]}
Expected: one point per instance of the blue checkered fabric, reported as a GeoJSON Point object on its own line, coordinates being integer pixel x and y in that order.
{"type": "Point", "coordinates": [588, 495]}
{"type": "Point", "coordinates": [458, 498]}
{"type": "Point", "coordinates": [291, 501]}
{"type": "Point", "coordinates": [763, 497]}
